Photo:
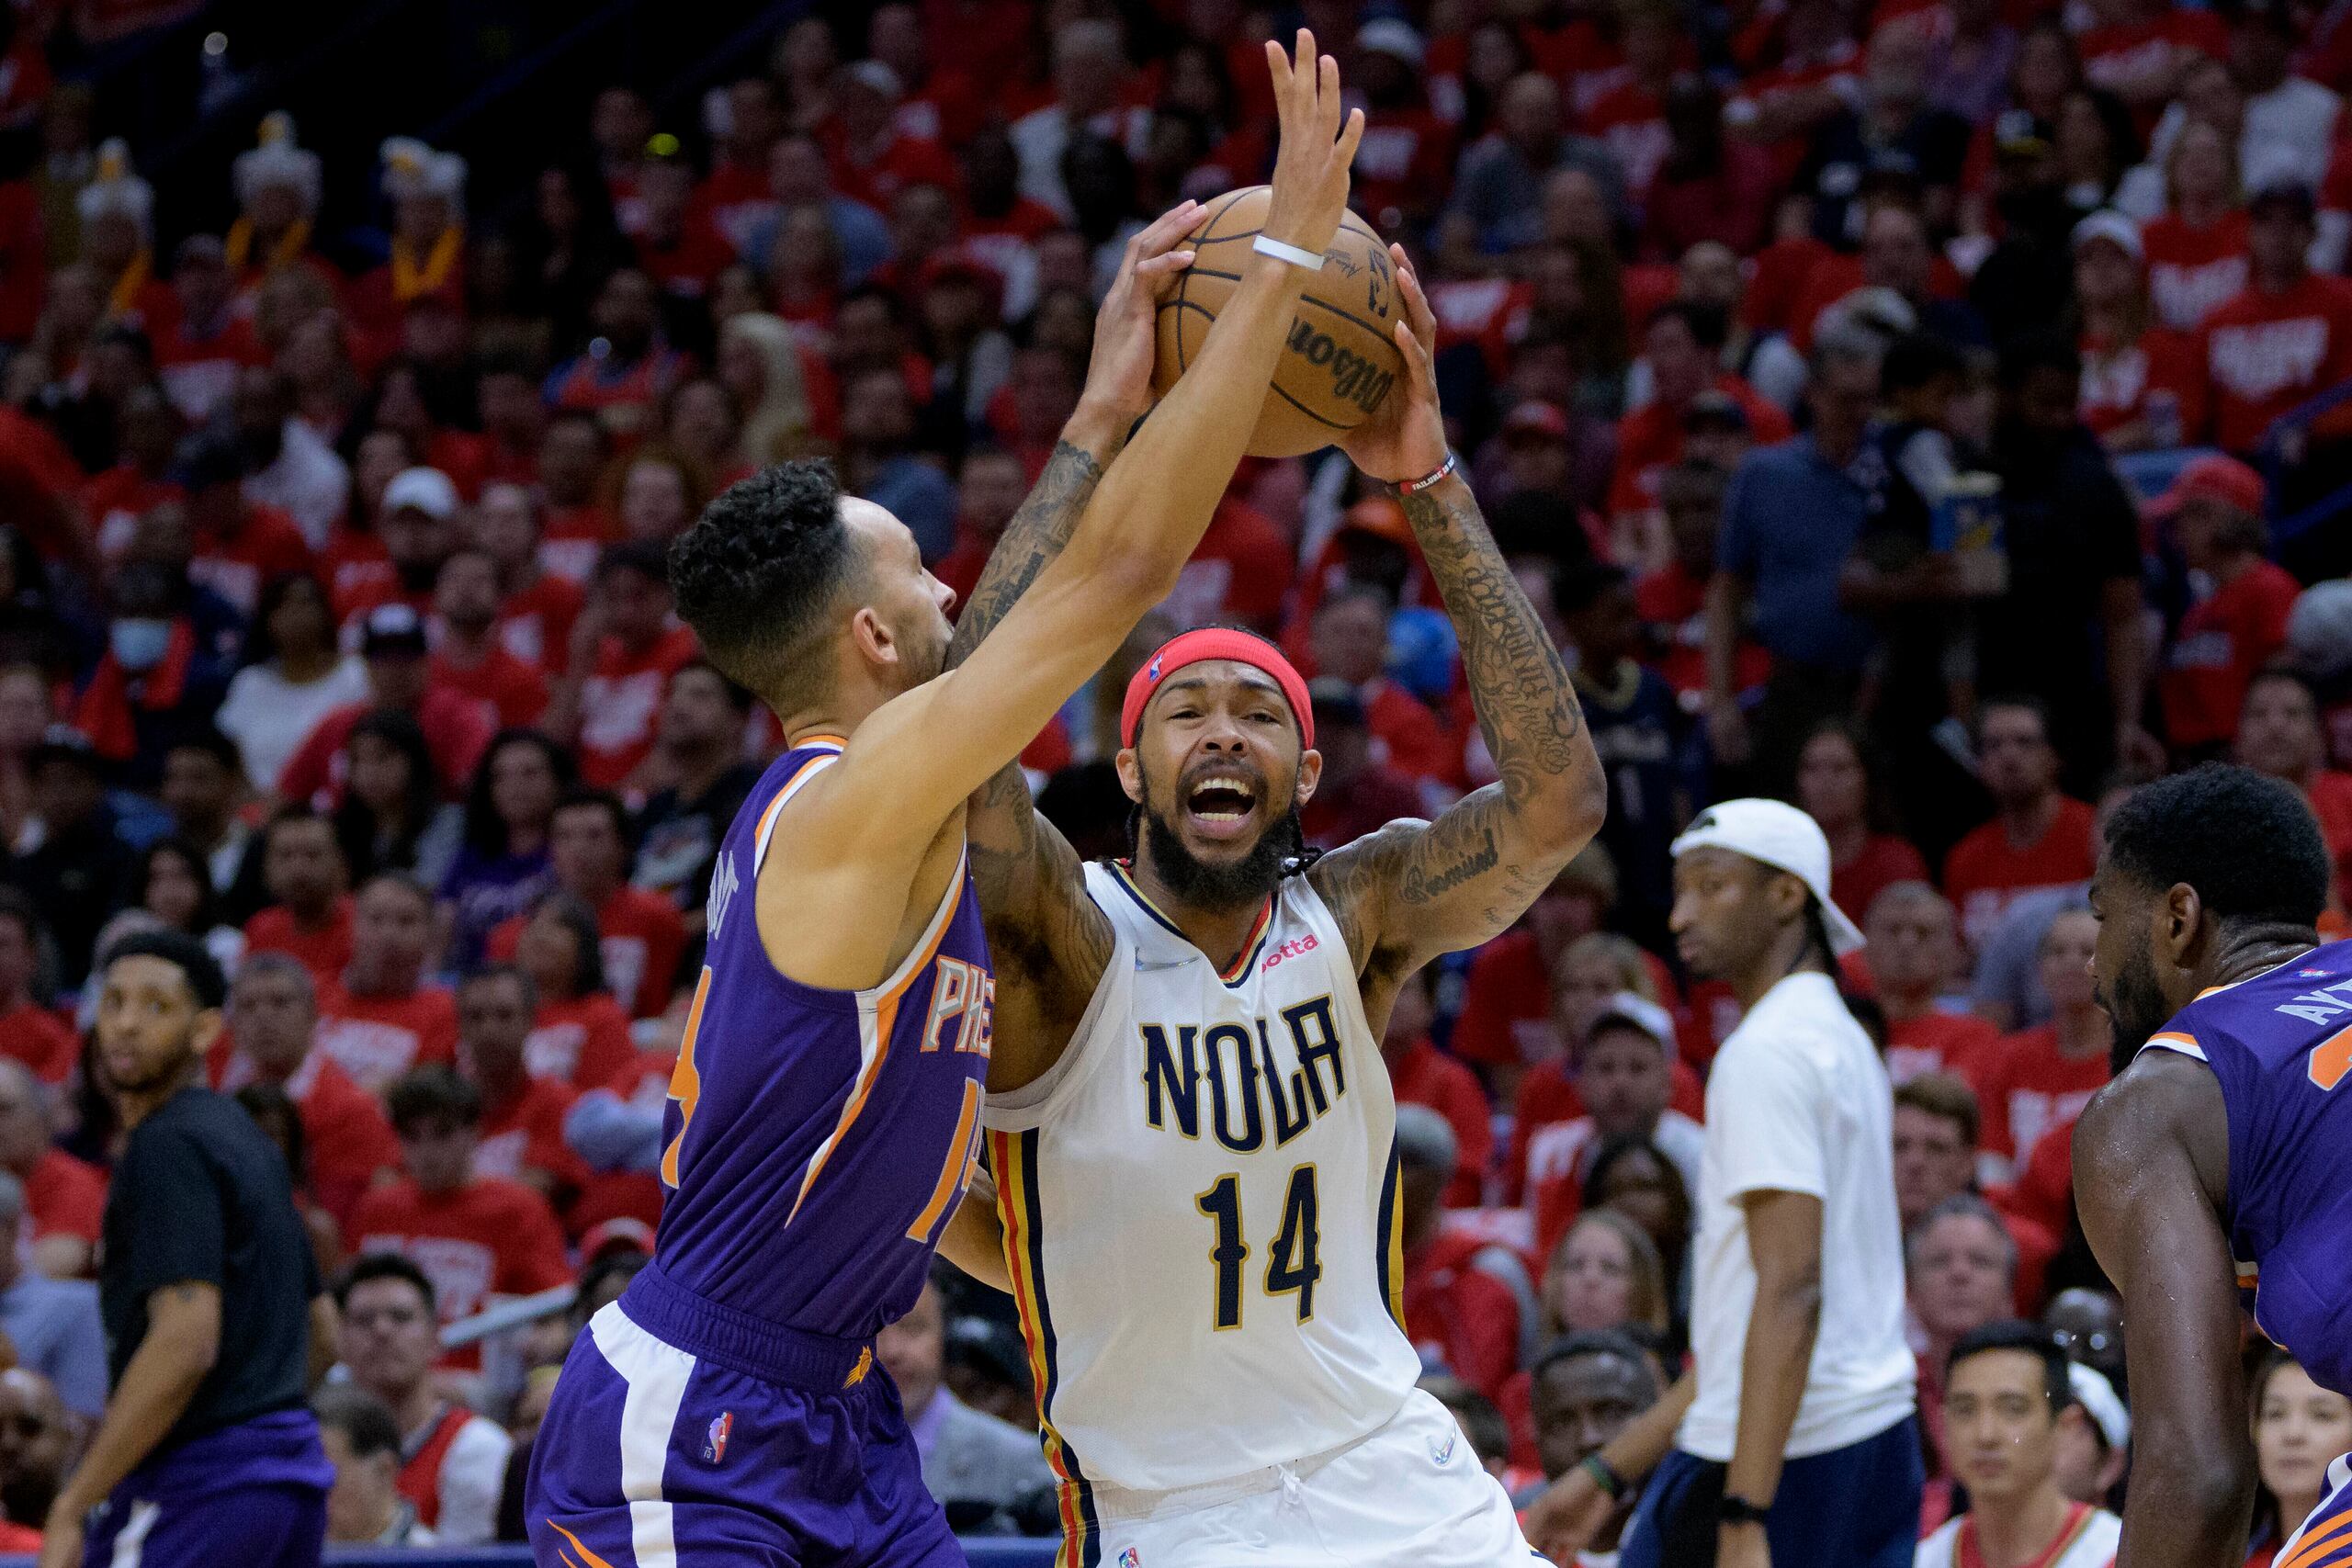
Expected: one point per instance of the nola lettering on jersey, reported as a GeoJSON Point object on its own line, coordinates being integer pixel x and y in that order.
{"type": "Point", "coordinates": [1248, 1093]}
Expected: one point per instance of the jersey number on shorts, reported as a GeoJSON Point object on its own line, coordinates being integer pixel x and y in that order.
{"type": "Point", "coordinates": [1293, 1263]}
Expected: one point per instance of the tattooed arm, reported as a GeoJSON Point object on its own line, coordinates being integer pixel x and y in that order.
{"type": "Point", "coordinates": [1416, 889]}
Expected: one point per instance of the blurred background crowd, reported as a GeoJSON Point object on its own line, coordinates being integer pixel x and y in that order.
{"type": "Point", "coordinates": [1934, 412]}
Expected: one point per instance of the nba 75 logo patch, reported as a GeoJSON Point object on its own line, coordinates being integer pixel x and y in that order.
{"type": "Point", "coordinates": [715, 1448]}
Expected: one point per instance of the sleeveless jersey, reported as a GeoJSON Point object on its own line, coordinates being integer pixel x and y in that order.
{"type": "Point", "coordinates": [1201, 1210]}
{"type": "Point", "coordinates": [817, 1140]}
{"type": "Point", "coordinates": [2281, 1046]}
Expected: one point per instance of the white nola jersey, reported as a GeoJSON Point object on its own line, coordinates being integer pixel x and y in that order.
{"type": "Point", "coordinates": [1200, 1207]}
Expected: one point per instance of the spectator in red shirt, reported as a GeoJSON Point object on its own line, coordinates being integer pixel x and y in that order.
{"type": "Point", "coordinates": [2040, 1078]}
{"type": "Point", "coordinates": [203, 341]}
{"type": "Point", "coordinates": [480, 1238]}
{"type": "Point", "coordinates": [1358, 793]}
{"type": "Point", "coordinates": [29, 1032]}
{"type": "Point", "coordinates": [1456, 1312]}
{"type": "Point", "coordinates": [399, 677]}
{"type": "Point", "coordinates": [1712, 187]}
{"type": "Point", "coordinates": [1350, 644]}
{"type": "Point", "coordinates": [1422, 1075]}
{"type": "Point", "coordinates": [576, 526]}
{"type": "Point", "coordinates": [64, 1198]}
{"type": "Point", "coordinates": [1624, 1085]}
{"type": "Point", "coordinates": [2038, 837]}
{"type": "Point", "coordinates": [309, 916]}
{"type": "Point", "coordinates": [273, 1019]}
{"type": "Point", "coordinates": [1837, 788]}
{"type": "Point", "coordinates": [383, 1020]}
{"type": "Point", "coordinates": [641, 932]}
{"type": "Point", "coordinates": [2280, 735]}
{"type": "Point", "coordinates": [2288, 337]}
{"type": "Point", "coordinates": [872, 156]}
{"type": "Point", "coordinates": [989, 489]}
{"type": "Point", "coordinates": [1936, 1125]}
{"type": "Point", "coordinates": [1915, 961]}
{"type": "Point", "coordinates": [2239, 621]}
{"type": "Point", "coordinates": [2196, 248]}
{"type": "Point", "coordinates": [1506, 1023]}
{"type": "Point", "coordinates": [470, 658]}
{"type": "Point", "coordinates": [417, 524]}
{"type": "Point", "coordinates": [579, 1035]}
{"type": "Point", "coordinates": [453, 1462]}
{"type": "Point", "coordinates": [522, 1119]}
{"type": "Point", "coordinates": [676, 243]}
{"type": "Point", "coordinates": [2143, 385]}
{"type": "Point", "coordinates": [624, 652]}
{"type": "Point", "coordinates": [535, 606]}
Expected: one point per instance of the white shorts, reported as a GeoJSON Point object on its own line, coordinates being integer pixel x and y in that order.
{"type": "Point", "coordinates": [1410, 1495]}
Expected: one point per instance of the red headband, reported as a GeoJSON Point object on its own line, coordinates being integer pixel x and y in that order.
{"type": "Point", "coordinates": [1215, 642]}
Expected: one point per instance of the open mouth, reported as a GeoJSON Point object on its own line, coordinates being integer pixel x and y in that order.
{"type": "Point", "coordinates": [1220, 804]}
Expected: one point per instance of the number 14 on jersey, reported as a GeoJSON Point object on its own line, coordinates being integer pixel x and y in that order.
{"type": "Point", "coordinates": [1294, 1262]}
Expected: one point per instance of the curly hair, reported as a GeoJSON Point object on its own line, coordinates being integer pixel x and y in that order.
{"type": "Point", "coordinates": [757, 574]}
{"type": "Point", "coordinates": [2245, 842]}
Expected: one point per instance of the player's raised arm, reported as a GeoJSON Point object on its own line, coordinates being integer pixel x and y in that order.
{"type": "Point", "coordinates": [920, 754]}
{"type": "Point", "coordinates": [1416, 889]}
{"type": "Point", "coordinates": [2149, 1197]}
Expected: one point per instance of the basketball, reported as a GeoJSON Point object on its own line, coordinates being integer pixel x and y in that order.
{"type": "Point", "coordinates": [1340, 360]}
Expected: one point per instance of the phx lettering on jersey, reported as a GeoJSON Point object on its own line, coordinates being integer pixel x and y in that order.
{"type": "Point", "coordinates": [1248, 1093]}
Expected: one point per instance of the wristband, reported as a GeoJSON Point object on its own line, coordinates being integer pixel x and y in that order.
{"type": "Point", "coordinates": [1265, 245]}
{"type": "Point", "coordinates": [1612, 1485]}
{"type": "Point", "coordinates": [1430, 479]}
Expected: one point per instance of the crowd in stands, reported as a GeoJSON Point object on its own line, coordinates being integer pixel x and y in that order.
{"type": "Point", "coordinates": [1887, 404]}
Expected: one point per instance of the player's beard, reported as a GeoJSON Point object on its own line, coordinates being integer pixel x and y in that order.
{"type": "Point", "coordinates": [1234, 884]}
{"type": "Point", "coordinates": [2136, 1008]}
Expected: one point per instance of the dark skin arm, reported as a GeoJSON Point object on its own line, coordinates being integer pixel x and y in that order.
{"type": "Point", "coordinates": [2151, 1172]}
{"type": "Point", "coordinates": [1413, 890]}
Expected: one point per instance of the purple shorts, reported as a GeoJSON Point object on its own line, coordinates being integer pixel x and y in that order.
{"type": "Point", "coordinates": [750, 1447]}
{"type": "Point", "coordinates": [254, 1495]}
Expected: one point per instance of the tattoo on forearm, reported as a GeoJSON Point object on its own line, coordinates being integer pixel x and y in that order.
{"type": "Point", "coordinates": [1526, 704]}
{"type": "Point", "coordinates": [1034, 537]}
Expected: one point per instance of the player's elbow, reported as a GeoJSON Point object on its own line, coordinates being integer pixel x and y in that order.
{"type": "Point", "coordinates": [1561, 809]}
{"type": "Point", "coordinates": [2207, 1482]}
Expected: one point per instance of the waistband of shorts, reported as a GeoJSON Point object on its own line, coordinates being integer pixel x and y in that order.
{"type": "Point", "coordinates": [1122, 1502]}
{"type": "Point", "coordinates": [819, 1363]}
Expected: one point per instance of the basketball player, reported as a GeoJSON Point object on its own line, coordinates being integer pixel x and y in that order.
{"type": "Point", "coordinates": [727, 1409]}
{"type": "Point", "coordinates": [1190, 1127]}
{"type": "Point", "coordinates": [2220, 1156]}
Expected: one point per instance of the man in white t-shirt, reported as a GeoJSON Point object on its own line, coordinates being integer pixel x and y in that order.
{"type": "Point", "coordinates": [2007, 1386]}
{"type": "Point", "coordinates": [1797, 1441]}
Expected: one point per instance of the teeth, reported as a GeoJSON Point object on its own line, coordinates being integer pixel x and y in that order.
{"type": "Point", "coordinates": [1227, 781]}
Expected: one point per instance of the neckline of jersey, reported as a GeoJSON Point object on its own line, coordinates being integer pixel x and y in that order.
{"type": "Point", "coordinates": [1249, 947]}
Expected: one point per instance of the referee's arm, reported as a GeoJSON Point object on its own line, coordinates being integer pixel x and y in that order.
{"type": "Point", "coordinates": [1784, 1243]}
{"type": "Point", "coordinates": [183, 1342]}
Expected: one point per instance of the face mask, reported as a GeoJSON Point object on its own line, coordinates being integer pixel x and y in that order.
{"type": "Point", "coordinates": [138, 645]}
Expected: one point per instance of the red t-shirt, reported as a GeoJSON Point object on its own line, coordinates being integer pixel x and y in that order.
{"type": "Point", "coordinates": [358, 571]}
{"type": "Point", "coordinates": [621, 701]}
{"type": "Point", "coordinates": [877, 178]}
{"type": "Point", "coordinates": [1885, 861]}
{"type": "Point", "coordinates": [1938, 1042]}
{"type": "Point", "coordinates": [1422, 1075]}
{"type": "Point", "coordinates": [1506, 1012]}
{"type": "Point", "coordinates": [116, 501]}
{"type": "Point", "coordinates": [2114, 57]}
{"type": "Point", "coordinates": [524, 1132]}
{"type": "Point", "coordinates": [2121, 385]}
{"type": "Point", "coordinates": [376, 1039]}
{"type": "Point", "coordinates": [1241, 572]}
{"type": "Point", "coordinates": [42, 1040]}
{"type": "Point", "coordinates": [1673, 603]}
{"type": "Point", "coordinates": [2024, 1087]}
{"type": "Point", "coordinates": [1649, 442]}
{"type": "Point", "coordinates": [457, 731]}
{"type": "Point", "coordinates": [1403, 162]}
{"type": "Point", "coordinates": [583, 1042]}
{"type": "Point", "coordinates": [572, 538]}
{"type": "Point", "coordinates": [1547, 1097]}
{"type": "Point", "coordinates": [347, 1141]}
{"type": "Point", "coordinates": [535, 623]}
{"type": "Point", "coordinates": [515, 690]}
{"type": "Point", "coordinates": [1983, 871]}
{"type": "Point", "coordinates": [1629, 120]}
{"type": "Point", "coordinates": [324, 951]}
{"type": "Point", "coordinates": [641, 937]}
{"type": "Point", "coordinates": [2192, 272]}
{"type": "Point", "coordinates": [1467, 1316]}
{"type": "Point", "coordinates": [2266, 353]}
{"type": "Point", "coordinates": [487, 1238]}
{"type": "Point", "coordinates": [268, 546]}
{"type": "Point", "coordinates": [1418, 745]}
{"type": "Point", "coordinates": [2224, 640]}
{"type": "Point", "coordinates": [63, 1196]}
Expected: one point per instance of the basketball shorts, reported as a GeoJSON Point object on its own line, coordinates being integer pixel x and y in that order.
{"type": "Point", "coordinates": [254, 1495]}
{"type": "Point", "coordinates": [1852, 1507]}
{"type": "Point", "coordinates": [2325, 1539]}
{"type": "Point", "coordinates": [682, 1434]}
{"type": "Point", "coordinates": [1410, 1495]}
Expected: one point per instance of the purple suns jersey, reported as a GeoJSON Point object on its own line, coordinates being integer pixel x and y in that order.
{"type": "Point", "coordinates": [816, 1141]}
{"type": "Point", "coordinates": [2281, 1046]}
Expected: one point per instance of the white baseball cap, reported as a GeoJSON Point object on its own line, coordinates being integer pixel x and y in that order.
{"type": "Point", "coordinates": [2114, 228]}
{"type": "Point", "coordinates": [1642, 1014]}
{"type": "Point", "coordinates": [2102, 1404]}
{"type": "Point", "coordinates": [1779, 836]}
{"type": "Point", "coordinates": [427, 490]}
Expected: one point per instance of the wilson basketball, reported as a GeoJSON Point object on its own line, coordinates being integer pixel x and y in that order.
{"type": "Point", "coordinates": [1340, 362]}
